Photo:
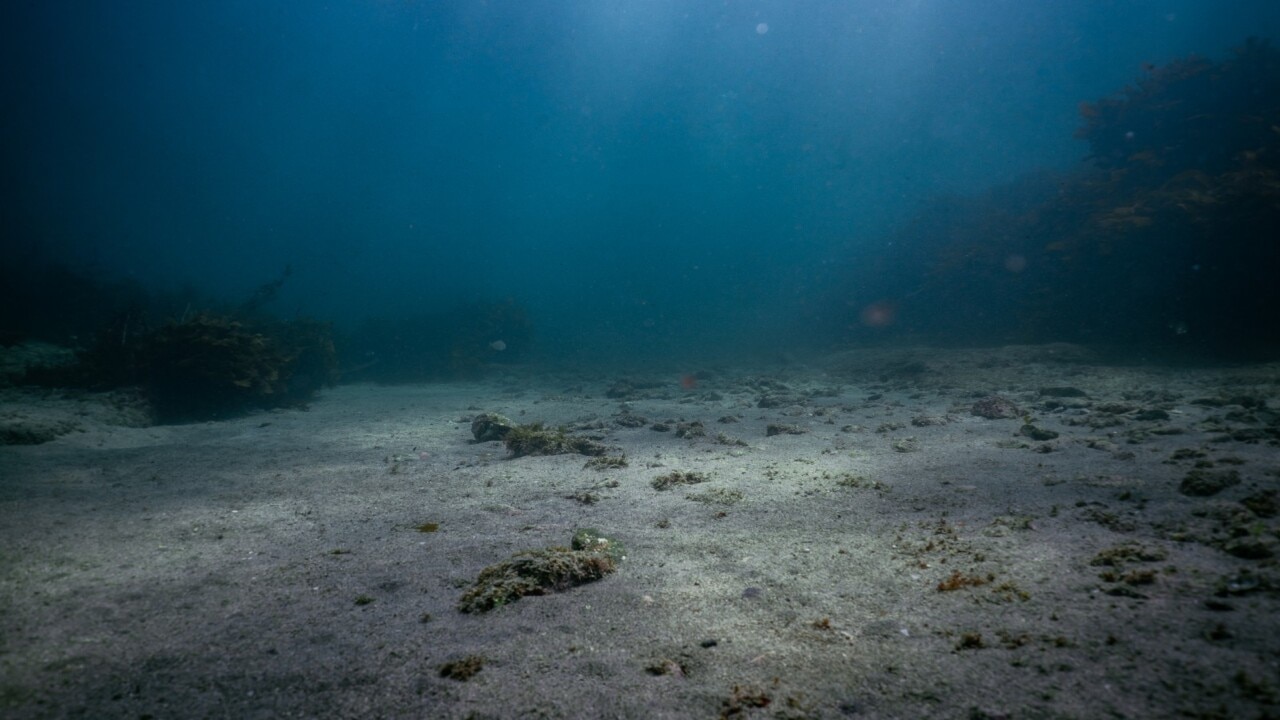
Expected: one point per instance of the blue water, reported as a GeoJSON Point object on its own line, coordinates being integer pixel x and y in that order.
{"type": "Point", "coordinates": [648, 179]}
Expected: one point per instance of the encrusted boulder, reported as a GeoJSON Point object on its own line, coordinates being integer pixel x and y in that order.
{"type": "Point", "coordinates": [487, 427]}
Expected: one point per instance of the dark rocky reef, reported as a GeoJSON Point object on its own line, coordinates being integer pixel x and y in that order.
{"type": "Point", "coordinates": [1166, 238]}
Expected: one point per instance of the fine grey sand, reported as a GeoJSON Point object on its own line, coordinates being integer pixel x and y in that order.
{"type": "Point", "coordinates": [1106, 551]}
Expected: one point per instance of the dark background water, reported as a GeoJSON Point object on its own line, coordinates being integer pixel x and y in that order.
{"type": "Point", "coordinates": [658, 179]}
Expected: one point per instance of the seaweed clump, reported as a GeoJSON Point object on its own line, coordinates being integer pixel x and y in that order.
{"type": "Point", "coordinates": [539, 572]}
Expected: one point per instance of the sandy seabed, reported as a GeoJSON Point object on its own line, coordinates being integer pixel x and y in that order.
{"type": "Point", "coordinates": [864, 546]}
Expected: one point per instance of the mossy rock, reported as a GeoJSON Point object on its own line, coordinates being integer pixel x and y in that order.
{"type": "Point", "coordinates": [535, 572]}
{"type": "Point", "coordinates": [487, 427]}
{"type": "Point", "coordinates": [534, 439]}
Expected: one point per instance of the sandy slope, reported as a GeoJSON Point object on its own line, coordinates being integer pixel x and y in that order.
{"type": "Point", "coordinates": [272, 566]}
